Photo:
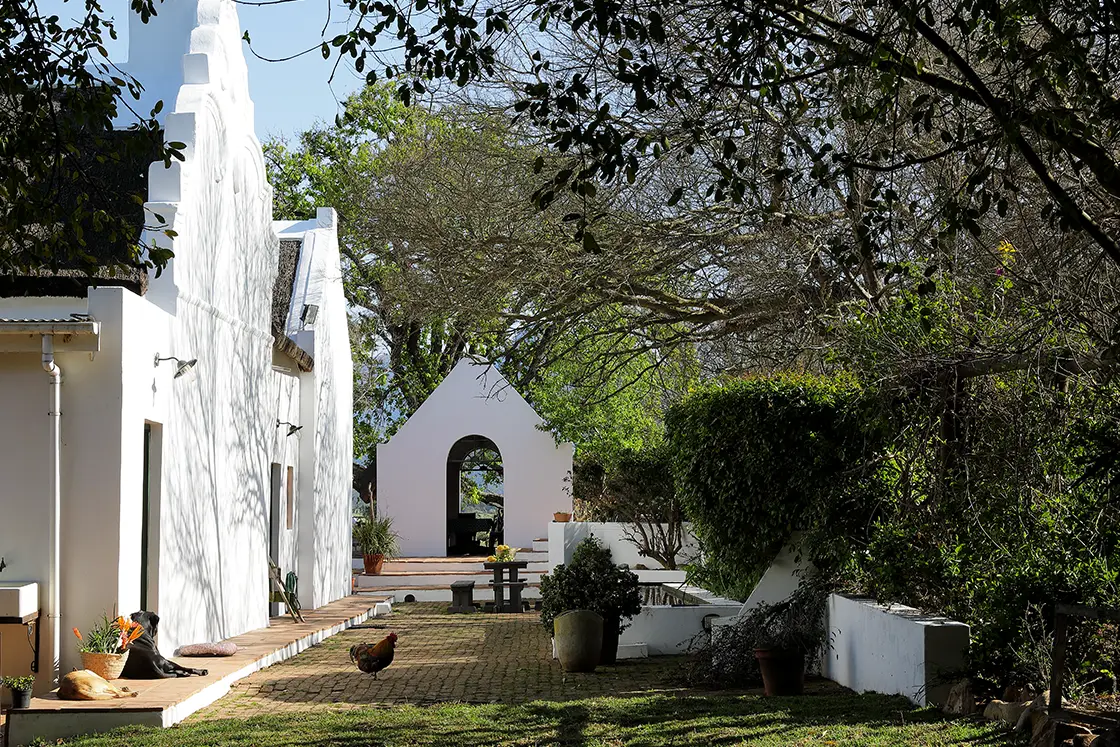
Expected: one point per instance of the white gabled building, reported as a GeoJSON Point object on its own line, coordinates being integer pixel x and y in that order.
{"type": "Point", "coordinates": [172, 491]}
{"type": "Point", "coordinates": [418, 468]}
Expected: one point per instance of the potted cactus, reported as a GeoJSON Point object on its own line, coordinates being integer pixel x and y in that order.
{"type": "Point", "coordinates": [377, 541]}
{"type": "Point", "coordinates": [21, 689]}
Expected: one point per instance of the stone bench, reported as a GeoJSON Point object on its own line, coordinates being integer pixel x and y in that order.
{"type": "Point", "coordinates": [462, 597]}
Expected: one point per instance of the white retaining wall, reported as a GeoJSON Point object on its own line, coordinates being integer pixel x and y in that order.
{"type": "Point", "coordinates": [892, 649]}
{"type": "Point", "coordinates": [564, 536]}
{"type": "Point", "coordinates": [667, 630]}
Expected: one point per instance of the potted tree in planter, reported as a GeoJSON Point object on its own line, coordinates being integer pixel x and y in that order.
{"type": "Point", "coordinates": [104, 647]}
{"type": "Point", "coordinates": [592, 582]}
{"type": "Point", "coordinates": [788, 634]}
{"type": "Point", "coordinates": [377, 541]}
{"type": "Point", "coordinates": [21, 689]}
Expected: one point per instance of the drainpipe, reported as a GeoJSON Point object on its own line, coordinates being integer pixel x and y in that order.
{"type": "Point", "coordinates": [54, 614]}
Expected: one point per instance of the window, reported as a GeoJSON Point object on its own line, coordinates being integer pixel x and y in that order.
{"type": "Point", "coordinates": [291, 496]}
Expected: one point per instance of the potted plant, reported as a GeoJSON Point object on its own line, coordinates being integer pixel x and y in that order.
{"type": "Point", "coordinates": [502, 554]}
{"type": "Point", "coordinates": [21, 689]}
{"type": "Point", "coordinates": [377, 541]}
{"type": "Point", "coordinates": [561, 517]}
{"type": "Point", "coordinates": [592, 582]}
{"type": "Point", "coordinates": [788, 634]}
{"type": "Point", "coordinates": [104, 647]}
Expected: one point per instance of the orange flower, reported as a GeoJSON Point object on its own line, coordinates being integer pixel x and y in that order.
{"type": "Point", "coordinates": [77, 633]}
{"type": "Point", "coordinates": [135, 631]}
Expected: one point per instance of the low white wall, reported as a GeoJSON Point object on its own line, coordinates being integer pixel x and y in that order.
{"type": "Point", "coordinates": [781, 579]}
{"type": "Point", "coordinates": [892, 649]}
{"type": "Point", "coordinates": [669, 630]}
{"type": "Point", "coordinates": [564, 536]}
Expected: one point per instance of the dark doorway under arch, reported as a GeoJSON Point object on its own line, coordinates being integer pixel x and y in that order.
{"type": "Point", "coordinates": [475, 523]}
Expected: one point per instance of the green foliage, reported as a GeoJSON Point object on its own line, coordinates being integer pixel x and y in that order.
{"type": "Point", "coordinates": [22, 683]}
{"type": "Point", "coordinates": [104, 637]}
{"type": "Point", "coordinates": [69, 193]}
{"type": "Point", "coordinates": [797, 624]}
{"type": "Point", "coordinates": [992, 513]}
{"type": "Point", "coordinates": [375, 536]}
{"type": "Point", "coordinates": [591, 581]}
{"type": "Point", "coordinates": [758, 459]}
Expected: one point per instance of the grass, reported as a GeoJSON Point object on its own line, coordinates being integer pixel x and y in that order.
{"type": "Point", "coordinates": [693, 719]}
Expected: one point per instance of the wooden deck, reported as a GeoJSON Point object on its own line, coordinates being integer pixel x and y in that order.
{"type": "Point", "coordinates": [166, 702]}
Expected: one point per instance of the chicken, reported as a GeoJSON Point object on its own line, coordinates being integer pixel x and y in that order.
{"type": "Point", "coordinates": [372, 658]}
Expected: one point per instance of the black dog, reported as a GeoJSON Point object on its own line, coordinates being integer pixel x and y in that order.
{"type": "Point", "coordinates": [144, 660]}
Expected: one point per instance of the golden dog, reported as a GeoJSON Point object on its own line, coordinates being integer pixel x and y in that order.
{"type": "Point", "coordinates": [82, 684]}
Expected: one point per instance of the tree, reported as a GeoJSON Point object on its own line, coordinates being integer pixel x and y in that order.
{"type": "Point", "coordinates": [444, 257]}
{"type": "Point", "coordinates": [70, 185]}
{"type": "Point", "coordinates": [1003, 93]}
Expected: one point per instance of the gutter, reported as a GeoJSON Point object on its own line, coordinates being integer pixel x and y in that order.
{"type": "Point", "coordinates": [54, 607]}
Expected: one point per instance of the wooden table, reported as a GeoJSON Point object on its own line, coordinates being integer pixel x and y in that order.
{"type": "Point", "coordinates": [505, 577]}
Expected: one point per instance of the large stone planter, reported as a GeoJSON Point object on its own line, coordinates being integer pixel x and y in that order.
{"type": "Point", "coordinates": [579, 640]}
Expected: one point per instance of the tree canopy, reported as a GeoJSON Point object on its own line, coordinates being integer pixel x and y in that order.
{"type": "Point", "coordinates": [71, 186]}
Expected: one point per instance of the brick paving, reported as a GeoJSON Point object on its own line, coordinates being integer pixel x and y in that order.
{"type": "Point", "coordinates": [480, 658]}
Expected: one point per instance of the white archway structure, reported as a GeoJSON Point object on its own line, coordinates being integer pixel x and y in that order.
{"type": "Point", "coordinates": [474, 399]}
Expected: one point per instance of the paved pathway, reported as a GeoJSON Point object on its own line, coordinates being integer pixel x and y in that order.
{"type": "Point", "coordinates": [481, 658]}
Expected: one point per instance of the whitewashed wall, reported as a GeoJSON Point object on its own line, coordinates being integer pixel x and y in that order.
{"type": "Point", "coordinates": [217, 427]}
{"type": "Point", "coordinates": [893, 649]}
{"type": "Point", "coordinates": [285, 397]}
{"type": "Point", "coordinates": [412, 466]}
{"type": "Point", "coordinates": [563, 537]}
{"type": "Point", "coordinates": [326, 401]}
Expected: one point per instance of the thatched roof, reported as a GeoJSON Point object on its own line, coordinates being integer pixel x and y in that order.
{"type": "Point", "coordinates": [282, 301]}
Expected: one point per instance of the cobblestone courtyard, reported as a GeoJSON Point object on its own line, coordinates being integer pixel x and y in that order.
{"type": "Point", "coordinates": [481, 658]}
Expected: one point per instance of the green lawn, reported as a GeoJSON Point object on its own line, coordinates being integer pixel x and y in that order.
{"type": "Point", "coordinates": [693, 719]}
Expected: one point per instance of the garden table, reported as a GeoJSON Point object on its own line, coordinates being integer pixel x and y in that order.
{"type": "Point", "coordinates": [505, 577]}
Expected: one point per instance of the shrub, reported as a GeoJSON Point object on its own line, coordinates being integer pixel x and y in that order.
{"type": "Point", "coordinates": [996, 519]}
{"type": "Point", "coordinates": [22, 683]}
{"type": "Point", "coordinates": [797, 623]}
{"type": "Point", "coordinates": [759, 459]}
{"type": "Point", "coordinates": [376, 537]}
{"type": "Point", "coordinates": [591, 581]}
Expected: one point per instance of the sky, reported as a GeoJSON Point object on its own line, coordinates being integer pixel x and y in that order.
{"type": "Point", "coordinates": [289, 96]}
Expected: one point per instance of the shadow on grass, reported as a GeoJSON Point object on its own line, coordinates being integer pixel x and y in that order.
{"type": "Point", "coordinates": [707, 719]}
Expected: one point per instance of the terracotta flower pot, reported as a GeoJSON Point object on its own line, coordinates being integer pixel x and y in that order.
{"type": "Point", "coordinates": [561, 517]}
{"type": "Point", "coordinates": [783, 672]}
{"type": "Point", "coordinates": [373, 564]}
{"type": "Point", "coordinates": [21, 698]}
{"type": "Point", "coordinates": [579, 640]}
{"type": "Point", "coordinates": [108, 666]}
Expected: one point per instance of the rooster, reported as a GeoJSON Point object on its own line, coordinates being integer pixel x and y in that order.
{"type": "Point", "coordinates": [372, 658]}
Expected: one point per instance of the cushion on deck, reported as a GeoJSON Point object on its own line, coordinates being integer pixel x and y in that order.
{"type": "Point", "coordinates": [207, 649]}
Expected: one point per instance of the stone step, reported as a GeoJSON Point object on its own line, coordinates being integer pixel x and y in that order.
{"type": "Point", "coordinates": [538, 561]}
{"type": "Point", "coordinates": [401, 594]}
{"type": "Point", "coordinates": [410, 565]}
{"type": "Point", "coordinates": [393, 579]}
{"type": "Point", "coordinates": [540, 545]}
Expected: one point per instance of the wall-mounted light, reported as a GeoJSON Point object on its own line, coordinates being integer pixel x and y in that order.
{"type": "Point", "coordinates": [292, 427]}
{"type": "Point", "coordinates": [309, 314]}
{"type": "Point", "coordinates": [182, 367]}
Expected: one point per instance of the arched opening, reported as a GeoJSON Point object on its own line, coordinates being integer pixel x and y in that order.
{"type": "Point", "coordinates": [475, 497]}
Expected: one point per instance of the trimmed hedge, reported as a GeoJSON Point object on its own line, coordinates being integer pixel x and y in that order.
{"type": "Point", "coordinates": [758, 459]}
